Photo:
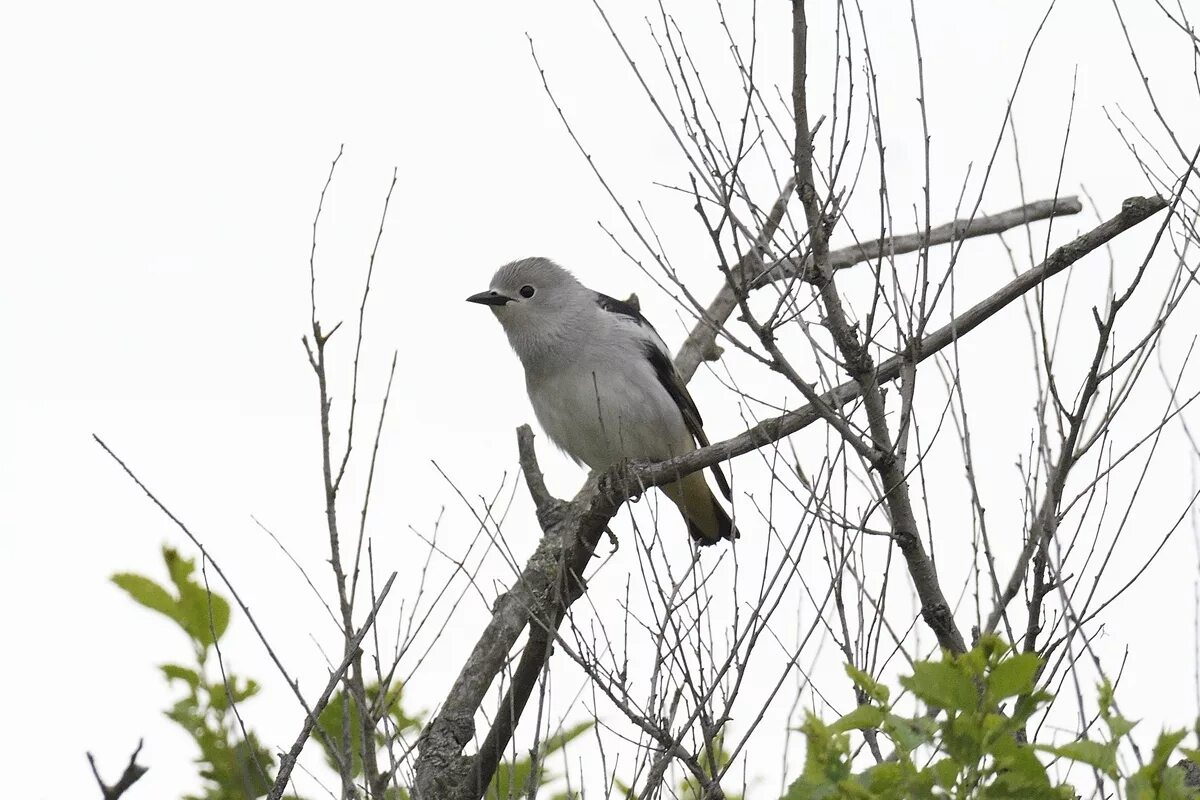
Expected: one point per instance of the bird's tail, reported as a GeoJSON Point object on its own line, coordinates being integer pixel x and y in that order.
{"type": "Point", "coordinates": [706, 519]}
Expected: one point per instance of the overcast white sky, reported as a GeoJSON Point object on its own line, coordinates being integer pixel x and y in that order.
{"type": "Point", "coordinates": [159, 169]}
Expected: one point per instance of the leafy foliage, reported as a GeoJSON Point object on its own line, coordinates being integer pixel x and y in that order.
{"type": "Point", "coordinates": [202, 616]}
{"type": "Point", "coordinates": [974, 748]}
{"type": "Point", "coordinates": [233, 763]}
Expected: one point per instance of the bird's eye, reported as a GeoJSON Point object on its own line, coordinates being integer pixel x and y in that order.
{"type": "Point", "coordinates": [527, 291]}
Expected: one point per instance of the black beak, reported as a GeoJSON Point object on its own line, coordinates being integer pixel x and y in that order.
{"type": "Point", "coordinates": [489, 298]}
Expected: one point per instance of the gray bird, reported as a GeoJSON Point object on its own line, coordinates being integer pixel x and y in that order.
{"type": "Point", "coordinates": [602, 382]}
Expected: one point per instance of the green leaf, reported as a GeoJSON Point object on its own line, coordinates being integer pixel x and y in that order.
{"type": "Point", "coordinates": [861, 718]}
{"type": "Point", "coordinates": [1013, 676]}
{"type": "Point", "coordinates": [1095, 754]}
{"type": "Point", "coordinates": [186, 713]}
{"type": "Point", "coordinates": [909, 734]}
{"type": "Point", "coordinates": [330, 722]}
{"type": "Point", "coordinates": [148, 593]}
{"type": "Point", "coordinates": [1105, 696]}
{"type": "Point", "coordinates": [510, 779]}
{"type": "Point", "coordinates": [1165, 746]}
{"type": "Point", "coordinates": [975, 661]}
{"type": "Point", "coordinates": [1021, 769]}
{"type": "Point", "coordinates": [942, 684]}
{"type": "Point", "coordinates": [248, 689]}
{"type": "Point", "coordinates": [962, 737]}
{"type": "Point", "coordinates": [802, 789]}
{"type": "Point", "coordinates": [205, 615]}
{"type": "Point", "coordinates": [871, 687]}
{"type": "Point", "coordinates": [945, 772]}
{"type": "Point", "coordinates": [513, 779]}
{"type": "Point", "coordinates": [218, 699]}
{"type": "Point", "coordinates": [898, 781]}
{"type": "Point", "coordinates": [826, 763]}
{"type": "Point", "coordinates": [1156, 780]}
{"type": "Point", "coordinates": [1118, 726]}
{"type": "Point", "coordinates": [179, 568]}
{"type": "Point", "coordinates": [252, 764]}
{"type": "Point", "coordinates": [1027, 705]}
{"type": "Point", "coordinates": [1175, 786]}
{"type": "Point", "coordinates": [885, 779]}
{"type": "Point", "coordinates": [395, 709]}
{"type": "Point", "coordinates": [560, 740]}
{"type": "Point", "coordinates": [175, 672]}
{"type": "Point", "coordinates": [221, 696]}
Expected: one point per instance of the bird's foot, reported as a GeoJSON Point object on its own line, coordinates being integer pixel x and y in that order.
{"type": "Point", "coordinates": [612, 537]}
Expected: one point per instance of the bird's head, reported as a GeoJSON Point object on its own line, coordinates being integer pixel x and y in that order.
{"type": "Point", "coordinates": [529, 293]}
{"type": "Point", "coordinates": [538, 303]}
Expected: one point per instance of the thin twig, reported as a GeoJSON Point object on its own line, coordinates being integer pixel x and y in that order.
{"type": "Point", "coordinates": [287, 761]}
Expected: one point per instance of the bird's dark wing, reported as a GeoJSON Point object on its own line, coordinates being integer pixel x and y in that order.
{"type": "Point", "coordinates": [660, 359]}
{"type": "Point", "coordinates": [656, 353]}
{"type": "Point", "coordinates": [670, 379]}
{"type": "Point", "coordinates": [668, 376]}
{"type": "Point", "coordinates": [621, 308]}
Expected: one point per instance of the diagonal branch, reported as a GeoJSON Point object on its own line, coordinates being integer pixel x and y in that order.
{"type": "Point", "coordinates": [699, 345]}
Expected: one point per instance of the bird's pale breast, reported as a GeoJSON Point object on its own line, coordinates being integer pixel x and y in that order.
{"type": "Point", "coordinates": [608, 406]}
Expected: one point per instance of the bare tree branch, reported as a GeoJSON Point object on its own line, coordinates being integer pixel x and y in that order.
{"type": "Point", "coordinates": [700, 343]}
{"type": "Point", "coordinates": [887, 460]}
{"type": "Point", "coordinates": [131, 775]}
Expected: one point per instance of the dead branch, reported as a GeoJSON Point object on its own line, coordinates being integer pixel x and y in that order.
{"type": "Point", "coordinates": [700, 343]}
{"type": "Point", "coordinates": [132, 774]}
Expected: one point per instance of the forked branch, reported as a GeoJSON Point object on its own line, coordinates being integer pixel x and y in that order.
{"type": "Point", "coordinates": [699, 345]}
{"type": "Point", "coordinates": [132, 774]}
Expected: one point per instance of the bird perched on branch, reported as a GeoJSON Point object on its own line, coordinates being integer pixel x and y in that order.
{"type": "Point", "coordinates": [602, 383]}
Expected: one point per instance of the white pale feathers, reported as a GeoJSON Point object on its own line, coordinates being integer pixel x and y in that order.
{"type": "Point", "coordinates": [607, 403]}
